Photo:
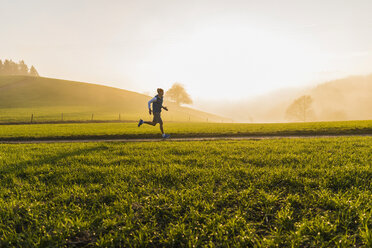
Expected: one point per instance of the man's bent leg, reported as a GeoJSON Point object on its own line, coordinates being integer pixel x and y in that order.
{"type": "Point", "coordinates": [150, 123]}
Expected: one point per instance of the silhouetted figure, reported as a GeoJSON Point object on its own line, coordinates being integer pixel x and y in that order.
{"type": "Point", "coordinates": [157, 106]}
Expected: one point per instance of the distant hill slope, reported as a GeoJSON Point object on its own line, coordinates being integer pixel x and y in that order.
{"type": "Point", "coordinates": [48, 98]}
{"type": "Point", "coordinates": [344, 99]}
{"type": "Point", "coordinates": [338, 100]}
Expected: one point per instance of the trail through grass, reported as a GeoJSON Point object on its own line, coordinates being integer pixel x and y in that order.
{"type": "Point", "coordinates": [130, 130]}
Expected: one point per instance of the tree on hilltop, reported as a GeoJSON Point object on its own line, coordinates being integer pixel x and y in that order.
{"type": "Point", "coordinates": [33, 72]}
{"type": "Point", "coordinates": [6, 68]}
{"type": "Point", "coordinates": [178, 94]}
{"type": "Point", "coordinates": [22, 68]}
{"type": "Point", "coordinates": [13, 68]}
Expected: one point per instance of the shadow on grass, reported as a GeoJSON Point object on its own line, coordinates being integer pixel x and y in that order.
{"type": "Point", "coordinates": [18, 168]}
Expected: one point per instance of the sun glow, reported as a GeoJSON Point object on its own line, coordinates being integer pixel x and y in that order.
{"type": "Point", "coordinates": [218, 49]}
{"type": "Point", "coordinates": [249, 60]}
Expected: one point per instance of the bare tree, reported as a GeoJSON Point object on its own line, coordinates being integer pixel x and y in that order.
{"type": "Point", "coordinates": [300, 109]}
{"type": "Point", "coordinates": [178, 94]}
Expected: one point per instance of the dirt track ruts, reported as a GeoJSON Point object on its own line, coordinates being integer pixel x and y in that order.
{"type": "Point", "coordinates": [180, 139]}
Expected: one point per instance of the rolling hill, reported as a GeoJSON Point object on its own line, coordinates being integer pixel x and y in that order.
{"type": "Point", "coordinates": [54, 100]}
{"type": "Point", "coordinates": [343, 99]}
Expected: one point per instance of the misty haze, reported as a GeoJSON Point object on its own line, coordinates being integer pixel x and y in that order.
{"type": "Point", "coordinates": [243, 60]}
{"type": "Point", "coordinates": [186, 123]}
{"type": "Point", "coordinates": [338, 100]}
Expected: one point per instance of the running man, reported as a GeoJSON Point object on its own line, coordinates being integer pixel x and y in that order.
{"type": "Point", "coordinates": [157, 105]}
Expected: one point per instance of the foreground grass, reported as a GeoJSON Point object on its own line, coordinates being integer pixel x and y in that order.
{"type": "Point", "coordinates": [130, 130]}
{"type": "Point", "coordinates": [281, 192]}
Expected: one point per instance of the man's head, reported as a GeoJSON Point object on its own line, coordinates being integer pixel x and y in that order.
{"type": "Point", "coordinates": [160, 92]}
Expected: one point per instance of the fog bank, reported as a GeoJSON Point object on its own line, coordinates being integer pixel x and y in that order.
{"type": "Point", "coordinates": [343, 99]}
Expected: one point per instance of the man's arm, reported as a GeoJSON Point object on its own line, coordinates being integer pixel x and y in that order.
{"type": "Point", "coordinates": [165, 108]}
{"type": "Point", "coordinates": [149, 104]}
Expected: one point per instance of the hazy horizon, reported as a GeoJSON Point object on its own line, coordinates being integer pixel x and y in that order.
{"type": "Point", "coordinates": [220, 50]}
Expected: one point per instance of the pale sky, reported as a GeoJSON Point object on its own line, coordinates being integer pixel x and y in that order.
{"type": "Point", "coordinates": [231, 49]}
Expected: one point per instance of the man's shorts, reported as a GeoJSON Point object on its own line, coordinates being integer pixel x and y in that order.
{"type": "Point", "coordinates": [157, 118]}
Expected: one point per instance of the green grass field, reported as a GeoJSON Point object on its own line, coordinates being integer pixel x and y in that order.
{"type": "Point", "coordinates": [265, 193]}
{"type": "Point", "coordinates": [130, 130]}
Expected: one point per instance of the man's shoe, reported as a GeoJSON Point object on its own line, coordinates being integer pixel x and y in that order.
{"type": "Point", "coordinates": [140, 122]}
{"type": "Point", "coordinates": [166, 136]}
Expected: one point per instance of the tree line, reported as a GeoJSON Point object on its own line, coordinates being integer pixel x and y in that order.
{"type": "Point", "coordinates": [8, 67]}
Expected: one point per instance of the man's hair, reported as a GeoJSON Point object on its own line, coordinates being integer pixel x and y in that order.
{"type": "Point", "coordinates": [160, 90]}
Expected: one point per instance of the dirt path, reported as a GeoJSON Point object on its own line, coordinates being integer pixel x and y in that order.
{"type": "Point", "coordinates": [180, 139]}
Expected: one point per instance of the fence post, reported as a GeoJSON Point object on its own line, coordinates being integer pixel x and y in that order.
{"type": "Point", "coordinates": [119, 118]}
{"type": "Point", "coordinates": [32, 117]}
{"type": "Point", "coordinates": [62, 117]}
{"type": "Point", "coordinates": [92, 117]}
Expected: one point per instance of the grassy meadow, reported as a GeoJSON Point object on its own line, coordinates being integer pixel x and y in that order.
{"type": "Point", "coordinates": [130, 130]}
{"type": "Point", "coordinates": [252, 193]}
